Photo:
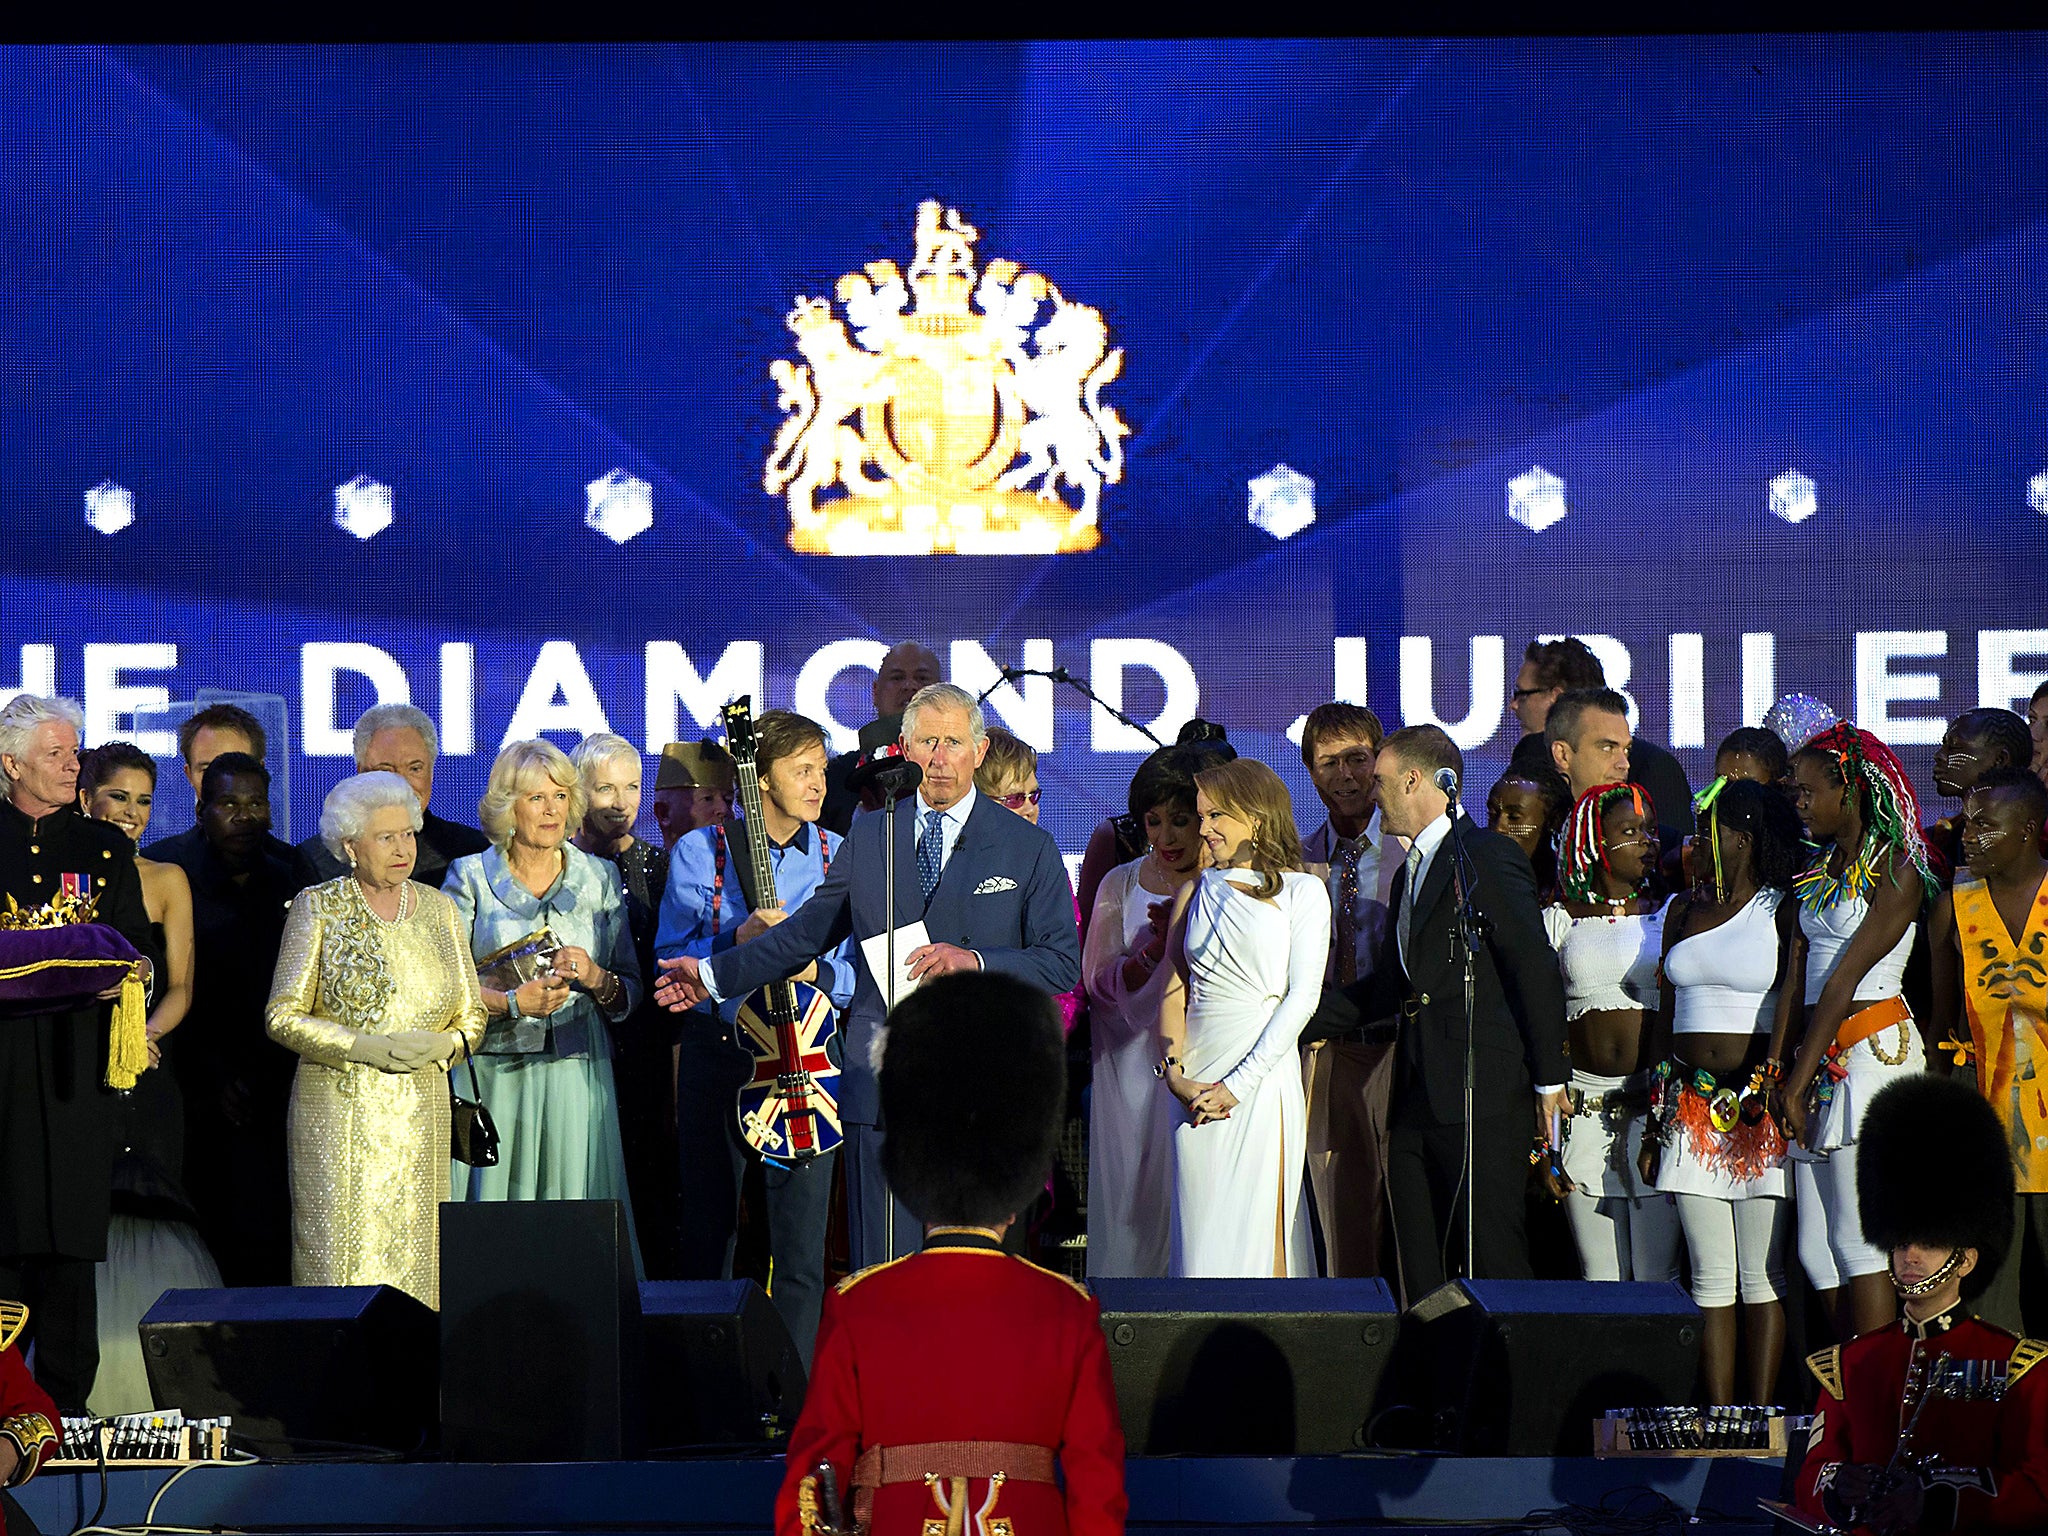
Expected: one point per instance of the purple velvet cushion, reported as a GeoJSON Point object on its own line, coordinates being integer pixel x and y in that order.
{"type": "Point", "coordinates": [44, 968]}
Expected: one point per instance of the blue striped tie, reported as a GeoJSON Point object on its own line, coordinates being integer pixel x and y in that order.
{"type": "Point", "coordinates": [931, 848]}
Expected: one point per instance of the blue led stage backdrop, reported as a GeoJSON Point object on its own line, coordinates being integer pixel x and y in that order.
{"type": "Point", "coordinates": [557, 389]}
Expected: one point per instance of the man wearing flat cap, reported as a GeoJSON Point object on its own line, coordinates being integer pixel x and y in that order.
{"type": "Point", "coordinates": [963, 1389]}
{"type": "Point", "coordinates": [1938, 1422]}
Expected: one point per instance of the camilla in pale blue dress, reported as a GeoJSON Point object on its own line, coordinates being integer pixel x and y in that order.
{"type": "Point", "coordinates": [547, 1081]}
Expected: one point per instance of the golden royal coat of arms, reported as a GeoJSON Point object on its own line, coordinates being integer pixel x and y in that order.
{"type": "Point", "coordinates": [963, 416]}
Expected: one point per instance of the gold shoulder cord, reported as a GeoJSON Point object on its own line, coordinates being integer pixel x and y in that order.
{"type": "Point", "coordinates": [2026, 1354]}
{"type": "Point", "coordinates": [862, 1274]}
{"type": "Point", "coordinates": [1826, 1365]}
{"type": "Point", "coordinates": [13, 1318]}
{"type": "Point", "coordinates": [1065, 1280]}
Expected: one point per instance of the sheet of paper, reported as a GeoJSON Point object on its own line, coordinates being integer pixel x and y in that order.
{"type": "Point", "coordinates": [911, 936]}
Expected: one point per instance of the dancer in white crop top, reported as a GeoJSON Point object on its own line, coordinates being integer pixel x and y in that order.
{"type": "Point", "coordinates": [1714, 1145]}
{"type": "Point", "coordinates": [1859, 900]}
{"type": "Point", "coordinates": [1608, 939]}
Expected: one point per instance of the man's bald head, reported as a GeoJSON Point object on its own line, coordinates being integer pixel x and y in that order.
{"type": "Point", "coordinates": [909, 666]}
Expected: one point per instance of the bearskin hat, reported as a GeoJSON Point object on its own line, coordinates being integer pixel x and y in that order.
{"type": "Point", "coordinates": [1932, 1168]}
{"type": "Point", "coordinates": [973, 1087]}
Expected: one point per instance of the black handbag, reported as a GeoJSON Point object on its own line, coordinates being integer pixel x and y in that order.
{"type": "Point", "coordinates": [474, 1138]}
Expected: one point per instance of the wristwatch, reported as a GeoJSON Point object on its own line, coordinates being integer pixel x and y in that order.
{"type": "Point", "coordinates": [512, 1004]}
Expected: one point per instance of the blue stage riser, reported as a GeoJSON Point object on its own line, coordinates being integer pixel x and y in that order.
{"type": "Point", "coordinates": [711, 1498]}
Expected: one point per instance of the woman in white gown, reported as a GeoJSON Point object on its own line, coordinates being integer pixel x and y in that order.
{"type": "Point", "coordinates": [1130, 1121]}
{"type": "Point", "coordinates": [1250, 941]}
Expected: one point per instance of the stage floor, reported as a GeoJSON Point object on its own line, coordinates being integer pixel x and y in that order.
{"type": "Point", "coordinates": [716, 1497]}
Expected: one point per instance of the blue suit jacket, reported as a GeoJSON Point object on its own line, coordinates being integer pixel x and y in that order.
{"type": "Point", "coordinates": [1004, 892]}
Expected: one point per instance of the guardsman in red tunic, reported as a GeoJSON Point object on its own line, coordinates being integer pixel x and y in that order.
{"type": "Point", "coordinates": [28, 1419]}
{"type": "Point", "coordinates": [1939, 1422]}
{"type": "Point", "coordinates": [949, 1387]}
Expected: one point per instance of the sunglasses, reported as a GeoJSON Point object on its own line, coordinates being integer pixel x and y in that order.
{"type": "Point", "coordinates": [1022, 798]}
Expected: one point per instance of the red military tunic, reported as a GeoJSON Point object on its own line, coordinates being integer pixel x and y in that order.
{"type": "Point", "coordinates": [1863, 1407]}
{"type": "Point", "coordinates": [963, 1342]}
{"type": "Point", "coordinates": [28, 1419]}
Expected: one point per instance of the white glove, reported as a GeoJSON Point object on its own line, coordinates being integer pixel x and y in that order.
{"type": "Point", "coordinates": [377, 1051]}
{"type": "Point", "coordinates": [419, 1049]}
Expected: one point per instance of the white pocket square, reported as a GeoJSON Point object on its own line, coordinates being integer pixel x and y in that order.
{"type": "Point", "coordinates": [995, 883]}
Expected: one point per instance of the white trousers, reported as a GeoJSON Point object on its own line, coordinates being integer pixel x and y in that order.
{"type": "Point", "coordinates": [1737, 1247]}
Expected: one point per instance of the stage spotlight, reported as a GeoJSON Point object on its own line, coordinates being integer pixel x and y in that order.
{"type": "Point", "coordinates": [621, 506]}
{"type": "Point", "coordinates": [109, 507]}
{"type": "Point", "coordinates": [362, 507]}
{"type": "Point", "coordinates": [1282, 501]}
{"type": "Point", "coordinates": [1536, 499]}
{"type": "Point", "coordinates": [1792, 497]}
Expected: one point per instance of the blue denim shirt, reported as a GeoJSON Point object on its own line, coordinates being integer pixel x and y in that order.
{"type": "Point", "coordinates": [585, 906]}
{"type": "Point", "coordinates": [688, 924]}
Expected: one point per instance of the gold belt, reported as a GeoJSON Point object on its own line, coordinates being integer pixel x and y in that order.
{"type": "Point", "coordinates": [948, 1461]}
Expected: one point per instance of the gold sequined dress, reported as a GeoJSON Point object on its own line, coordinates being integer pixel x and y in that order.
{"type": "Point", "coordinates": [369, 1149]}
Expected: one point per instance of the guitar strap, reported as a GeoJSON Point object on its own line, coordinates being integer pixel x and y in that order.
{"type": "Point", "coordinates": [742, 861]}
{"type": "Point", "coordinates": [741, 858]}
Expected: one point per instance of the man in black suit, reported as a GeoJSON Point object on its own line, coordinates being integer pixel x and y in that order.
{"type": "Point", "coordinates": [206, 734]}
{"type": "Point", "coordinates": [909, 666]}
{"type": "Point", "coordinates": [1550, 670]}
{"type": "Point", "coordinates": [397, 738]}
{"type": "Point", "coordinates": [1518, 1031]}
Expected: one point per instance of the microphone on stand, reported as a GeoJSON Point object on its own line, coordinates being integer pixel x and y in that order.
{"type": "Point", "coordinates": [1447, 781]}
{"type": "Point", "coordinates": [887, 770]}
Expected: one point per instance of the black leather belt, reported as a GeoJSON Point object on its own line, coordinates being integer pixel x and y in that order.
{"type": "Point", "coordinates": [1367, 1034]}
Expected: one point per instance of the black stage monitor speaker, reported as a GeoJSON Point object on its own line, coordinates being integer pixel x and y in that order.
{"type": "Point", "coordinates": [721, 1366]}
{"type": "Point", "coordinates": [1247, 1367]}
{"type": "Point", "coordinates": [298, 1365]}
{"type": "Point", "coordinates": [541, 1354]}
{"type": "Point", "coordinates": [1523, 1367]}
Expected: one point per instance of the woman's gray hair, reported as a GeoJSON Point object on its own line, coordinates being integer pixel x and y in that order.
{"type": "Point", "coordinates": [520, 761]}
{"type": "Point", "coordinates": [346, 813]}
{"type": "Point", "coordinates": [395, 717]}
{"type": "Point", "coordinates": [27, 713]}
{"type": "Point", "coordinates": [599, 748]}
{"type": "Point", "coordinates": [946, 696]}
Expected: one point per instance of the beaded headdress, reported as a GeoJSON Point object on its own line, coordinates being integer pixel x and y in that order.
{"type": "Point", "coordinates": [1892, 822]}
{"type": "Point", "coordinates": [1583, 849]}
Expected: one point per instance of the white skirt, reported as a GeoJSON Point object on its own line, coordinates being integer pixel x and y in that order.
{"type": "Point", "coordinates": [1848, 1099]}
{"type": "Point", "coordinates": [1600, 1150]}
{"type": "Point", "coordinates": [145, 1258]}
{"type": "Point", "coordinates": [1741, 1163]}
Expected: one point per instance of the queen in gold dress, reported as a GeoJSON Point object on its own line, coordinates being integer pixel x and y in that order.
{"type": "Point", "coordinates": [376, 992]}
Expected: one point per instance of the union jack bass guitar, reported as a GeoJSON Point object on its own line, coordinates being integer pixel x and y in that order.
{"type": "Point", "coordinates": [789, 1109]}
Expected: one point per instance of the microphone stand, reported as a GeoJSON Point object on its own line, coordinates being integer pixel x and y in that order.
{"type": "Point", "coordinates": [889, 905]}
{"type": "Point", "coordinates": [1079, 685]}
{"type": "Point", "coordinates": [897, 779]}
{"type": "Point", "coordinates": [1468, 934]}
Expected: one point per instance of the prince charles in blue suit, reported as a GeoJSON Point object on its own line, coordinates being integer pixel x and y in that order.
{"type": "Point", "coordinates": [989, 887]}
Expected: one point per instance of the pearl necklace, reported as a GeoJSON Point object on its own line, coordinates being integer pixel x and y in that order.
{"type": "Point", "coordinates": [404, 905]}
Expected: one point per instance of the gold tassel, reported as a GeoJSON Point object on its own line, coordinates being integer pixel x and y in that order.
{"type": "Point", "coordinates": [128, 1040]}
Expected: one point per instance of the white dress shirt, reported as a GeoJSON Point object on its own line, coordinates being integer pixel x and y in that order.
{"type": "Point", "coordinates": [954, 824]}
{"type": "Point", "coordinates": [1430, 840]}
{"type": "Point", "coordinates": [1368, 912]}
{"type": "Point", "coordinates": [951, 828]}
{"type": "Point", "coordinates": [1427, 841]}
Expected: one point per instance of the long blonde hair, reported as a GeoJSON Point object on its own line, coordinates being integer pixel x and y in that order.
{"type": "Point", "coordinates": [1254, 794]}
